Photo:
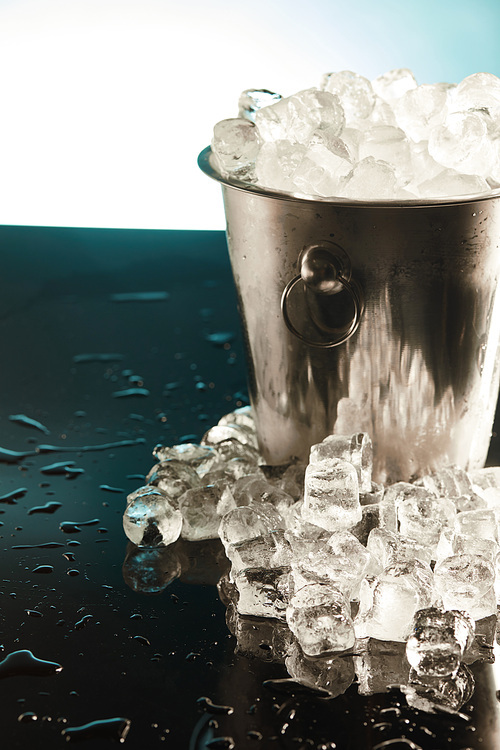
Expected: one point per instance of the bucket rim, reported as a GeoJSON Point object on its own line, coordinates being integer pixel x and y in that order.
{"type": "Point", "coordinates": [205, 163]}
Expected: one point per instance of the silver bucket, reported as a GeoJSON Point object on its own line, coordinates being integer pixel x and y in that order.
{"type": "Point", "coordinates": [380, 317]}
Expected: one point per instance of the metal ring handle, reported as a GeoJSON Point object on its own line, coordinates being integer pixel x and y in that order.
{"type": "Point", "coordinates": [351, 328]}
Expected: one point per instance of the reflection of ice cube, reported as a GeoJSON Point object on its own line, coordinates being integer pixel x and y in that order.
{"type": "Point", "coordinates": [379, 665]}
{"type": "Point", "coordinates": [332, 673]}
{"type": "Point", "coordinates": [428, 694]}
{"type": "Point", "coordinates": [438, 641]}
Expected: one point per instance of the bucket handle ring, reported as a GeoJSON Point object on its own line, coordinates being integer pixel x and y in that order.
{"type": "Point", "coordinates": [321, 272]}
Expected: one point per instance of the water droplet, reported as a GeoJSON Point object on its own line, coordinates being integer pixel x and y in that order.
{"type": "Point", "coordinates": [25, 663]}
{"type": "Point", "coordinates": [11, 497]}
{"type": "Point", "coordinates": [108, 488]}
{"type": "Point", "coordinates": [207, 705]}
{"type": "Point", "coordinates": [27, 716]}
{"type": "Point", "coordinates": [220, 743]}
{"type": "Point", "coordinates": [84, 621]}
{"type": "Point", "coordinates": [33, 613]}
{"type": "Point", "coordinates": [28, 422]}
{"type": "Point", "coordinates": [141, 639]}
{"type": "Point", "coordinates": [139, 297]}
{"type": "Point", "coordinates": [49, 507]}
{"type": "Point", "coordinates": [115, 729]}
{"type": "Point", "coordinates": [71, 527]}
{"type": "Point", "coordinates": [129, 392]}
{"type": "Point", "coordinates": [43, 569]}
{"type": "Point", "coordinates": [72, 572]}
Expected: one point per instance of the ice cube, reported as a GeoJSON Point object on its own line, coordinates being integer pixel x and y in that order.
{"type": "Point", "coordinates": [268, 551]}
{"type": "Point", "coordinates": [449, 183]}
{"type": "Point", "coordinates": [479, 92]}
{"type": "Point", "coordinates": [263, 591]}
{"type": "Point", "coordinates": [255, 489]}
{"type": "Point", "coordinates": [201, 512]}
{"type": "Point", "coordinates": [389, 144]}
{"type": "Point", "coordinates": [235, 144]}
{"type": "Point", "coordinates": [333, 674]}
{"type": "Point", "coordinates": [479, 523]}
{"type": "Point", "coordinates": [277, 163]}
{"type": "Point", "coordinates": [438, 641]}
{"type": "Point", "coordinates": [173, 477]}
{"type": "Point", "coordinates": [150, 519]}
{"type": "Point", "coordinates": [387, 547]}
{"type": "Point", "coordinates": [248, 522]}
{"type": "Point", "coordinates": [220, 433]}
{"type": "Point", "coordinates": [356, 449]}
{"type": "Point", "coordinates": [354, 91]}
{"type": "Point", "coordinates": [420, 110]}
{"type": "Point", "coordinates": [297, 117]}
{"type": "Point", "coordinates": [242, 417]}
{"type": "Point", "coordinates": [391, 600]}
{"type": "Point", "coordinates": [465, 582]}
{"type": "Point", "coordinates": [370, 180]}
{"type": "Point", "coordinates": [320, 172]}
{"type": "Point", "coordinates": [422, 516]}
{"type": "Point", "coordinates": [331, 495]}
{"type": "Point", "coordinates": [394, 84]}
{"type": "Point", "coordinates": [462, 143]}
{"type": "Point", "coordinates": [252, 100]}
{"type": "Point", "coordinates": [484, 478]}
{"type": "Point", "coordinates": [369, 521]}
{"type": "Point", "coordinates": [319, 617]}
{"type": "Point", "coordinates": [202, 458]}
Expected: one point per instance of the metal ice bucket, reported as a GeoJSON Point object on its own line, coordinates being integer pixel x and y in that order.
{"type": "Point", "coordinates": [381, 317]}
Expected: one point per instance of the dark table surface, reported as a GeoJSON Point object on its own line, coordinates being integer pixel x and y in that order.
{"type": "Point", "coordinates": [73, 343]}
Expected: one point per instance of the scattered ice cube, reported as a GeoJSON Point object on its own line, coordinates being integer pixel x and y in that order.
{"type": "Point", "coordinates": [200, 508]}
{"type": "Point", "coordinates": [248, 522]}
{"type": "Point", "coordinates": [478, 523]}
{"type": "Point", "coordinates": [202, 458]}
{"type": "Point", "coordinates": [173, 477]}
{"type": "Point", "coordinates": [331, 495]}
{"type": "Point", "coordinates": [356, 449]}
{"type": "Point", "coordinates": [221, 432]}
{"type": "Point", "coordinates": [438, 641]}
{"type": "Point", "coordinates": [263, 592]}
{"type": "Point", "coordinates": [150, 520]}
{"type": "Point", "coordinates": [466, 582]}
{"type": "Point", "coordinates": [319, 617]}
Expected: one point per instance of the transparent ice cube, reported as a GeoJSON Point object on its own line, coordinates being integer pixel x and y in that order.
{"type": "Point", "coordinates": [479, 523]}
{"type": "Point", "coordinates": [422, 516]}
{"type": "Point", "coordinates": [428, 694]}
{"type": "Point", "coordinates": [331, 495]}
{"type": "Point", "coordinates": [387, 547]}
{"type": "Point", "coordinates": [248, 522]}
{"type": "Point", "coordinates": [354, 91]}
{"type": "Point", "coordinates": [269, 551]}
{"type": "Point", "coordinates": [390, 144]}
{"type": "Point", "coordinates": [261, 638]}
{"type": "Point", "coordinates": [371, 179]}
{"type": "Point", "coordinates": [380, 665]}
{"type": "Point", "coordinates": [222, 432]}
{"type": "Point", "coordinates": [420, 110]}
{"type": "Point", "coordinates": [202, 458]}
{"type": "Point", "coordinates": [200, 508]}
{"type": "Point", "coordinates": [465, 582]}
{"type": "Point", "coordinates": [450, 183]}
{"type": "Point", "coordinates": [479, 92]}
{"type": "Point", "coordinates": [242, 417]}
{"type": "Point", "coordinates": [355, 449]}
{"type": "Point", "coordinates": [173, 477]}
{"type": "Point", "coordinates": [150, 520]}
{"type": "Point", "coordinates": [235, 144]}
{"type": "Point", "coordinates": [277, 163]}
{"type": "Point", "coordinates": [319, 617]}
{"type": "Point", "coordinates": [263, 591]}
{"type": "Point", "coordinates": [394, 84]}
{"type": "Point", "coordinates": [252, 100]}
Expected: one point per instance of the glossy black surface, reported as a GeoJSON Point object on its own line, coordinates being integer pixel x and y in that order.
{"type": "Point", "coordinates": [125, 653]}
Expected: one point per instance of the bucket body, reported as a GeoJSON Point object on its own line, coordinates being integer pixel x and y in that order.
{"type": "Point", "coordinates": [404, 344]}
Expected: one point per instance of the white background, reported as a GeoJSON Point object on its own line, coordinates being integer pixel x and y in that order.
{"type": "Point", "coordinates": [105, 104]}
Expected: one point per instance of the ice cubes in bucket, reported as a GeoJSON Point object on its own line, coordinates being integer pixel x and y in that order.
{"type": "Point", "coordinates": [349, 137]}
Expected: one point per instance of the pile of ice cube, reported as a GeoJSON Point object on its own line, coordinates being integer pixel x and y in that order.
{"type": "Point", "coordinates": [328, 552]}
{"type": "Point", "coordinates": [352, 138]}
